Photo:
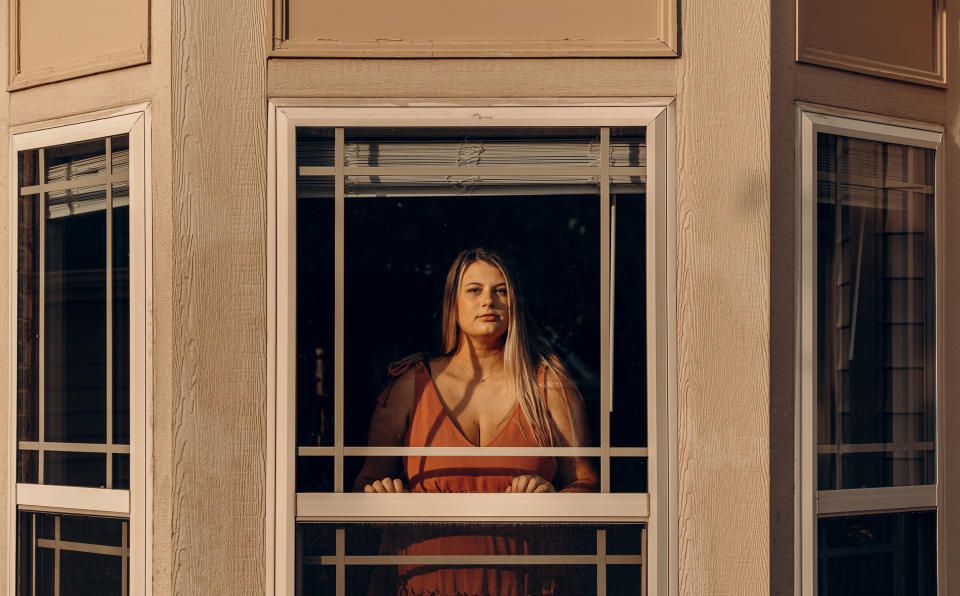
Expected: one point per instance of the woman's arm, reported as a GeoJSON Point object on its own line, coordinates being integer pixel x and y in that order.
{"type": "Point", "coordinates": [574, 474]}
{"type": "Point", "coordinates": [388, 426]}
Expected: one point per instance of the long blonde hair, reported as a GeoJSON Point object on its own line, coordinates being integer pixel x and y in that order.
{"type": "Point", "coordinates": [525, 350]}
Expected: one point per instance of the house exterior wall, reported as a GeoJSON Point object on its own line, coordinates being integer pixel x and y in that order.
{"type": "Point", "coordinates": [735, 84]}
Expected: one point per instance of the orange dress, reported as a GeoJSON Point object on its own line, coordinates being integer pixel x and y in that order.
{"type": "Point", "coordinates": [431, 425]}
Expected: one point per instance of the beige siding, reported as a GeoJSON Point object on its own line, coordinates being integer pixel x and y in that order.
{"type": "Point", "coordinates": [7, 276]}
{"type": "Point", "coordinates": [723, 285]}
{"type": "Point", "coordinates": [783, 299]}
{"type": "Point", "coordinates": [949, 470]}
{"type": "Point", "coordinates": [590, 79]}
{"type": "Point", "coordinates": [217, 312]}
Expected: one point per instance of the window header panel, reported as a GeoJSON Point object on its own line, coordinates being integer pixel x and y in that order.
{"type": "Point", "coordinates": [54, 40]}
{"type": "Point", "coordinates": [886, 38]}
{"type": "Point", "coordinates": [498, 29]}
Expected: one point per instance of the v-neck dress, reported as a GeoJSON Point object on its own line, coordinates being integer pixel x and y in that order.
{"type": "Point", "coordinates": [430, 425]}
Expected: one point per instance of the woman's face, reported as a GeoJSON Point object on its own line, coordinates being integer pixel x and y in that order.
{"type": "Point", "coordinates": [483, 302]}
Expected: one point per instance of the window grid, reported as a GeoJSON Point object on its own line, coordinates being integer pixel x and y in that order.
{"type": "Point", "coordinates": [601, 174]}
{"type": "Point", "coordinates": [41, 190]}
{"type": "Point", "coordinates": [817, 505]}
{"type": "Point", "coordinates": [57, 545]}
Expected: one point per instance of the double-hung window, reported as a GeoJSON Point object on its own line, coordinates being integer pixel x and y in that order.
{"type": "Point", "coordinates": [371, 207]}
{"type": "Point", "coordinates": [869, 335]}
{"type": "Point", "coordinates": [78, 436]}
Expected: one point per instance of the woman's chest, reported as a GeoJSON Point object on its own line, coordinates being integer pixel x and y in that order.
{"type": "Point", "coordinates": [479, 411]}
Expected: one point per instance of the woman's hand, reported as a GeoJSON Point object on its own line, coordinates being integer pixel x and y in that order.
{"type": "Point", "coordinates": [529, 483]}
{"type": "Point", "coordinates": [387, 485]}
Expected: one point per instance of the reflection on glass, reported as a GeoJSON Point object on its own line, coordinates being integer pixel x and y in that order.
{"type": "Point", "coordinates": [69, 554]}
{"type": "Point", "coordinates": [875, 284]}
{"type": "Point", "coordinates": [479, 148]}
{"type": "Point", "coordinates": [881, 555]}
{"type": "Point", "coordinates": [462, 548]}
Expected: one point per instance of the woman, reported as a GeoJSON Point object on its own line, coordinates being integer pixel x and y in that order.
{"type": "Point", "coordinates": [498, 384]}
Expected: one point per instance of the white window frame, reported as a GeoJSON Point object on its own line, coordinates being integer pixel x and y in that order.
{"type": "Point", "coordinates": [657, 508]}
{"type": "Point", "coordinates": [811, 503]}
{"type": "Point", "coordinates": [135, 503]}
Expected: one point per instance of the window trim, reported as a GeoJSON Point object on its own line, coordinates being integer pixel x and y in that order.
{"type": "Point", "coordinates": [658, 116]}
{"type": "Point", "coordinates": [135, 503]}
{"type": "Point", "coordinates": [810, 503]}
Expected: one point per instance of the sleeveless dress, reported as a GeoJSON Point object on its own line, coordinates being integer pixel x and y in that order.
{"type": "Point", "coordinates": [430, 425]}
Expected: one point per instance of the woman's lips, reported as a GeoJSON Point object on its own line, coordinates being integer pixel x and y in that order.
{"type": "Point", "coordinates": [488, 317]}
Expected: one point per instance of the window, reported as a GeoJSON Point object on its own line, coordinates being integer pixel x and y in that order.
{"type": "Point", "coordinates": [372, 206]}
{"type": "Point", "coordinates": [869, 339]}
{"type": "Point", "coordinates": [78, 439]}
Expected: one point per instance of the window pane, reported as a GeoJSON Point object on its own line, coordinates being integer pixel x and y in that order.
{"type": "Point", "coordinates": [875, 305]}
{"type": "Point", "coordinates": [75, 469]}
{"type": "Point", "coordinates": [121, 317]}
{"type": "Point", "coordinates": [454, 558]}
{"type": "Point", "coordinates": [75, 320]}
{"type": "Point", "coordinates": [628, 420]}
{"type": "Point", "coordinates": [878, 555]}
{"type": "Point", "coordinates": [69, 554]}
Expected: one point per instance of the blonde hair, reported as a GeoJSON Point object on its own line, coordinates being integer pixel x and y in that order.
{"type": "Point", "coordinates": [525, 350]}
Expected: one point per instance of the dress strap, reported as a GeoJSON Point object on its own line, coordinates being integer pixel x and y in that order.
{"type": "Point", "coordinates": [398, 368]}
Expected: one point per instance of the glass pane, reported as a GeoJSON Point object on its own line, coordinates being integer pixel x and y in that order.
{"type": "Point", "coordinates": [75, 469]}
{"type": "Point", "coordinates": [121, 471]}
{"type": "Point", "coordinates": [455, 558]}
{"type": "Point", "coordinates": [628, 147]}
{"type": "Point", "coordinates": [121, 322]}
{"type": "Point", "coordinates": [628, 420]}
{"type": "Point", "coordinates": [79, 555]}
{"type": "Point", "coordinates": [75, 161]}
{"type": "Point", "coordinates": [120, 154]}
{"type": "Point", "coordinates": [628, 474]}
{"type": "Point", "coordinates": [75, 317]}
{"type": "Point", "coordinates": [876, 313]}
{"type": "Point", "coordinates": [28, 306]}
{"type": "Point", "coordinates": [314, 474]}
{"type": "Point", "coordinates": [878, 555]}
{"type": "Point", "coordinates": [315, 312]}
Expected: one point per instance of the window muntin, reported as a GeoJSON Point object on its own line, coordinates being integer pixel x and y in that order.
{"type": "Point", "coordinates": [868, 331]}
{"type": "Point", "coordinates": [78, 436]}
{"type": "Point", "coordinates": [296, 508]}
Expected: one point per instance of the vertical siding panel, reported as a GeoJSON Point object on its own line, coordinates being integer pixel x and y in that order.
{"type": "Point", "coordinates": [723, 289]}
{"type": "Point", "coordinates": [219, 297]}
{"type": "Point", "coordinates": [9, 278]}
{"type": "Point", "coordinates": [948, 472]}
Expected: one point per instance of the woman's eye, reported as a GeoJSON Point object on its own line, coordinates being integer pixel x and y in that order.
{"type": "Point", "coordinates": [473, 290]}
{"type": "Point", "coordinates": [502, 291]}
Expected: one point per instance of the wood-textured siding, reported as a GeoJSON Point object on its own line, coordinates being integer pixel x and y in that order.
{"type": "Point", "coordinates": [948, 474]}
{"type": "Point", "coordinates": [218, 319]}
{"type": "Point", "coordinates": [723, 282]}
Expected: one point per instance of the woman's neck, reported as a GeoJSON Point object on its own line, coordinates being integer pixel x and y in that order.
{"type": "Point", "coordinates": [477, 359]}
